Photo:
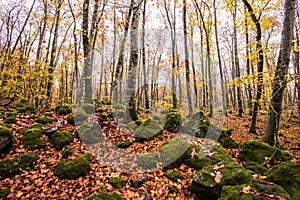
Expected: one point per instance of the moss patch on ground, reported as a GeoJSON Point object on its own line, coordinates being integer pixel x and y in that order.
{"type": "Point", "coordinates": [18, 165]}
{"type": "Point", "coordinates": [105, 196]}
{"type": "Point", "coordinates": [44, 120]}
{"type": "Point", "coordinates": [63, 109]}
{"type": "Point", "coordinates": [287, 175]}
{"type": "Point", "coordinates": [117, 182]}
{"type": "Point", "coordinates": [7, 139]}
{"type": "Point", "coordinates": [73, 169]}
{"type": "Point", "coordinates": [174, 176]}
{"type": "Point", "coordinates": [89, 134]}
{"type": "Point", "coordinates": [61, 138]}
{"type": "Point", "coordinates": [173, 121]}
{"type": "Point", "coordinates": [255, 151]}
{"type": "Point", "coordinates": [31, 138]}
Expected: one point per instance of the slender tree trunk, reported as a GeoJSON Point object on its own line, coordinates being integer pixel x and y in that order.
{"type": "Point", "coordinates": [87, 70]}
{"type": "Point", "coordinates": [220, 61]}
{"type": "Point", "coordinates": [133, 63]}
{"type": "Point", "coordinates": [260, 65]}
{"type": "Point", "coordinates": [120, 63]}
{"type": "Point", "coordinates": [280, 80]}
{"type": "Point", "coordinates": [146, 86]}
{"type": "Point", "coordinates": [53, 51]}
{"type": "Point", "coordinates": [236, 61]}
{"type": "Point", "coordinates": [186, 61]}
{"type": "Point", "coordinates": [248, 60]}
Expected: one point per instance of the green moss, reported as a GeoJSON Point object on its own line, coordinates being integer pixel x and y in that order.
{"type": "Point", "coordinates": [18, 165]}
{"type": "Point", "coordinates": [174, 153]}
{"type": "Point", "coordinates": [10, 120]}
{"type": "Point", "coordinates": [147, 160]}
{"type": "Point", "coordinates": [88, 108]}
{"type": "Point", "coordinates": [67, 152]}
{"type": "Point", "coordinates": [80, 117]}
{"type": "Point", "coordinates": [174, 176]}
{"type": "Point", "coordinates": [70, 120]}
{"type": "Point", "coordinates": [255, 151]}
{"type": "Point", "coordinates": [138, 122]}
{"type": "Point", "coordinates": [234, 174]}
{"type": "Point", "coordinates": [204, 182]}
{"type": "Point", "coordinates": [286, 174]}
{"type": "Point", "coordinates": [44, 120]}
{"type": "Point", "coordinates": [61, 139]}
{"type": "Point", "coordinates": [73, 169]}
{"type": "Point", "coordinates": [7, 139]}
{"type": "Point", "coordinates": [31, 139]}
{"type": "Point", "coordinates": [260, 186]}
{"type": "Point", "coordinates": [173, 120]}
{"type": "Point", "coordinates": [148, 132]}
{"type": "Point", "coordinates": [123, 144]}
{"type": "Point", "coordinates": [217, 154]}
{"type": "Point", "coordinates": [255, 167]}
{"type": "Point", "coordinates": [63, 109]}
{"type": "Point", "coordinates": [117, 182]}
{"type": "Point", "coordinates": [105, 196]}
{"type": "Point", "coordinates": [4, 191]}
{"type": "Point", "coordinates": [89, 134]}
{"type": "Point", "coordinates": [27, 109]}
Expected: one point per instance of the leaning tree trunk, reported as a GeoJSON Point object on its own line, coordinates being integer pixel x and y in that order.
{"type": "Point", "coordinates": [280, 81]}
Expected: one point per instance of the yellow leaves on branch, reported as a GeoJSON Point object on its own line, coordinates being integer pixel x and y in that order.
{"type": "Point", "coordinates": [23, 77]}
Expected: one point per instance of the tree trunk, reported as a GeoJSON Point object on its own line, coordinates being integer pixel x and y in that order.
{"type": "Point", "coordinates": [220, 62]}
{"type": "Point", "coordinates": [280, 80]}
{"type": "Point", "coordinates": [260, 65]}
{"type": "Point", "coordinates": [186, 61]}
{"type": "Point", "coordinates": [133, 63]}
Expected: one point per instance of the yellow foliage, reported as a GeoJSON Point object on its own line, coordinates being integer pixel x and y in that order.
{"type": "Point", "coordinates": [22, 77]}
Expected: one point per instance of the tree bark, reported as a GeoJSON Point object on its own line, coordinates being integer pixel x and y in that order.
{"type": "Point", "coordinates": [260, 65]}
{"type": "Point", "coordinates": [280, 80]}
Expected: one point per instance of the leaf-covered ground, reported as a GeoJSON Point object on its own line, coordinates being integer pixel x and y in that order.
{"type": "Point", "coordinates": [40, 182]}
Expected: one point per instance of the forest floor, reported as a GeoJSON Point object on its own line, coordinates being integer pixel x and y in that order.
{"type": "Point", "coordinates": [40, 182]}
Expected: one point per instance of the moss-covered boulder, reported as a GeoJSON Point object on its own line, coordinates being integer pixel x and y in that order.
{"type": "Point", "coordinates": [63, 109]}
{"type": "Point", "coordinates": [31, 138]}
{"type": "Point", "coordinates": [117, 182]}
{"type": "Point", "coordinates": [173, 121]}
{"type": "Point", "coordinates": [79, 117]}
{"type": "Point", "coordinates": [73, 169]}
{"type": "Point", "coordinates": [208, 185]}
{"type": "Point", "coordinates": [4, 191]}
{"type": "Point", "coordinates": [44, 120]}
{"type": "Point", "coordinates": [61, 138]}
{"type": "Point", "coordinates": [27, 109]}
{"type": "Point", "coordinates": [105, 196]}
{"type": "Point", "coordinates": [255, 190]}
{"type": "Point", "coordinates": [255, 167]}
{"type": "Point", "coordinates": [90, 133]}
{"type": "Point", "coordinates": [174, 152]}
{"type": "Point", "coordinates": [174, 176]}
{"type": "Point", "coordinates": [147, 160]}
{"type": "Point", "coordinates": [216, 153]}
{"type": "Point", "coordinates": [10, 120]}
{"type": "Point", "coordinates": [255, 151]}
{"type": "Point", "coordinates": [88, 108]}
{"type": "Point", "coordinates": [287, 175]}
{"type": "Point", "coordinates": [6, 139]}
{"type": "Point", "coordinates": [67, 152]}
{"type": "Point", "coordinates": [18, 165]}
{"type": "Point", "coordinates": [70, 120]}
{"type": "Point", "coordinates": [200, 126]}
{"type": "Point", "coordinates": [124, 144]}
{"type": "Point", "coordinates": [144, 133]}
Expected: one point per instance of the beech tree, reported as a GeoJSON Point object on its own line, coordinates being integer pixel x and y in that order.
{"type": "Point", "coordinates": [281, 72]}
